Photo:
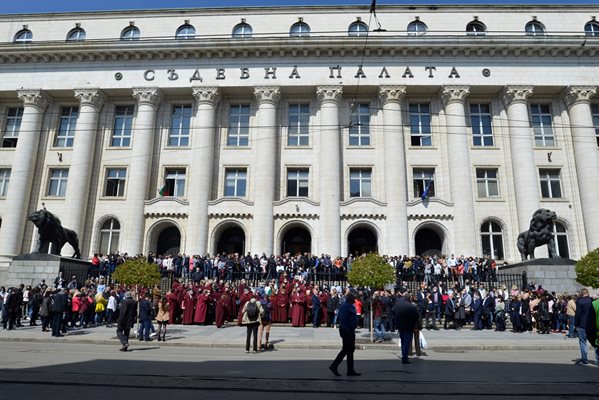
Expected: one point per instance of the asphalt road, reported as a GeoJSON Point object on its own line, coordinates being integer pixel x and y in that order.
{"type": "Point", "coordinates": [89, 371]}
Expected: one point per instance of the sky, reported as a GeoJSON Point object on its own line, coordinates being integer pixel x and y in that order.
{"type": "Point", "coordinates": [38, 6]}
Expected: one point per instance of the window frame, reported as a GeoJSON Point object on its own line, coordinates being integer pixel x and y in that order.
{"type": "Point", "coordinates": [135, 33]}
{"type": "Point", "coordinates": [531, 28]}
{"type": "Point", "coordinates": [594, 28]}
{"type": "Point", "coordinates": [541, 123]}
{"type": "Point", "coordinates": [125, 136]}
{"type": "Point", "coordinates": [236, 179]}
{"type": "Point", "coordinates": [235, 132]}
{"type": "Point", "coordinates": [300, 131]}
{"type": "Point", "coordinates": [186, 36]}
{"type": "Point", "coordinates": [359, 129]}
{"type": "Point", "coordinates": [11, 135]}
{"type": "Point", "coordinates": [242, 30]}
{"type": "Point", "coordinates": [175, 178]}
{"type": "Point", "coordinates": [57, 184]}
{"type": "Point", "coordinates": [489, 234]}
{"type": "Point", "coordinates": [473, 25]}
{"type": "Point", "coordinates": [180, 135]}
{"type": "Point", "coordinates": [420, 177]}
{"type": "Point", "coordinates": [301, 179]}
{"type": "Point", "coordinates": [357, 29]}
{"type": "Point", "coordinates": [65, 138]}
{"type": "Point", "coordinates": [119, 182]}
{"type": "Point", "coordinates": [78, 31]}
{"type": "Point", "coordinates": [547, 182]}
{"type": "Point", "coordinates": [111, 230]}
{"type": "Point", "coordinates": [485, 139]}
{"type": "Point", "coordinates": [363, 180]}
{"type": "Point", "coordinates": [4, 180]}
{"type": "Point", "coordinates": [416, 132]}
{"type": "Point", "coordinates": [557, 234]}
{"type": "Point", "coordinates": [416, 32]}
{"type": "Point", "coordinates": [300, 25]}
{"type": "Point", "coordinates": [487, 181]}
{"type": "Point", "coordinates": [23, 36]}
{"type": "Point", "coordinates": [595, 117]}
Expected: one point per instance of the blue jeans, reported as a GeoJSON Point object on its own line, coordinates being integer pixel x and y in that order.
{"type": "Point", "coordinates": [406, 340]}
{"type": "Point", "coordinates": [144, 329]}
{"type": "Point", "coordinates": [379, 328]}
{"type": "Point", "coordinates": [571, 326]}
{"type": "Point", "coordinates": [582, 342]}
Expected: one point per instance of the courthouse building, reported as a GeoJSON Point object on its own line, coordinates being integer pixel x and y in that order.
{"type": "Point", "coordinates": [320, 129]}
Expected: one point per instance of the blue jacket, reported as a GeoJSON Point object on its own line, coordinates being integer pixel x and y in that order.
{"type": "Point", "coordinates": [347, 318]}
{"type": "Point", "coordinates": [145, 310]}
{"type": "Point", "coordinates": [583, 305]}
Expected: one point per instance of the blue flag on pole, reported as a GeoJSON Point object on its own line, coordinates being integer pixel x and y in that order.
{"type": "Point", "coordinates": [425, 192]}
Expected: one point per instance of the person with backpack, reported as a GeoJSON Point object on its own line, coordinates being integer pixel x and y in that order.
{"type": "Point", "coordinates": [252, 314]}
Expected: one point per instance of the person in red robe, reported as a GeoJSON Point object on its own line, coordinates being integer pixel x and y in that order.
{"type": "Point", "coordinates": [232, 304]}
{"type": "Point", "coordinates": [283, 305]}
{"type": "Point", "coordinates": [298, 308]}
{"type": "Point", "coordinates": [202, 307]}
{"type": "Point", "coordinates": [222, 310]}
{"type": "Point", "coordinates": [188, 307]}
{"type": "Point", "coordinates": [171, 299]}
{"type": "Point", "coordinates": [324, 299]}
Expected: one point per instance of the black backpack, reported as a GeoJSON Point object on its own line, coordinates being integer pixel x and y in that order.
{"type": "Point", "coordinates": [252, 311]}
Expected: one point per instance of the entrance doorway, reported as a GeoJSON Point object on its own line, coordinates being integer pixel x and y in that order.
{"type": "Point", "coordinates": [428, 242]}
{"type": "Point", "coordinates": [362, 240]}
{"type": "Point", "coordinates": [296, 240]}
{"type": "Point", "coordinates": [231, 240]}
{"type": "Point", "coordinates": [169, 242]}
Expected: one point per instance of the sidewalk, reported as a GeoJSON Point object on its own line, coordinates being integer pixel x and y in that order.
{"type": "Point", "coordinates": [305, 338]}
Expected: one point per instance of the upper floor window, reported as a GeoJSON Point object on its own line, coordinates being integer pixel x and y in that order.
{"type": "Point", "coordinates": [24, 36]}
{"type": "Point", "coordinates": [115, 182]}
{"type": "Point", "coordinates": [57, 185]}
{"type": "Point", "coordinates": [13, 126]}
{"type": "Point", "coordinates": [299, 29]}
{"type": "Point", "coordinates": [180, 126]}
{"type": "Point", "coordinates": [4, 181]}
{"type": "Point", "coordinates": [420, 125]}
{"type": "Point", "coordinates": [541, 123]}
{"type": "Point", "coordinates": [186, 32]}
{"type": "Point", "coordinates": [359, 130]}
{"type": "Point", "coordinates": [298, 133]}
{"type": "Point", "coordinates": [76, 35]}
{"type": "Point", "coordinates": [424, 182]}
{"type": "Point", "coordinates": [535, 28]}
{"type": "Point", "coordinates": [65, 136]}
{"type": "Point", "coordinates": [551, 186]}
{"type": "Point", "coordinates": [239, 126]}
{"type": "Point", "coordinates": [242, 30]}
{"type": "Point", "coordinates": [297, 182]}
{"type": "Point", "coordinates": [130, 33]}
{"type": "Point", "coordinates": [595, 113]}
{"type": "Point", "coordinates": [358, 28]}
{"type": "Point", "coordinates": [482, 131]}
{"type": "Point", "coordinates": [235, 182]}
{"type": "Point", "coordinates": [492, 240]}
{"type": "Point", "coordinates": [174, 181]}
{"type": "Point", "coordinates": [487, 182]}
{"type": "Point", "coordinates": [360, 182]}
{"type": "Point", "coordinates": [476, 28]}
{"type": "Point", "coordinates": [416, 28]}
{"type": "Point", "coordinates": [591, 28]}
{"type": "Point", "coordinates": [123, 123]}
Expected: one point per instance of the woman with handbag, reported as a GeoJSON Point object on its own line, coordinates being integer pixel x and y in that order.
{"type": "Point", "coordinates": [162, 318]}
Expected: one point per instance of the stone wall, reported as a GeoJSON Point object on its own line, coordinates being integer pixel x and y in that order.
{"type": "Point", "coordinates": [30, 269]}
{"type": "Point", "coordinates": [555, 275]}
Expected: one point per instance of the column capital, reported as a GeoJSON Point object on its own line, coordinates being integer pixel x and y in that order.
{"type": "Point", "coordinates": [573, 95]}
{"type": "Point", "coordinates": [329, 93]}
{"type": "Point", "coordinates": [93, 97]}
{"type": "Point", "coordinates": [267, 94]}
{"type": "Point", "coordinates": [391, 94]}
{"type": "Point", "coordinates": [454, 94]}
{"type": "Point", "coordinates": [34, 97]}
{"type": "Point", "coordinates": [206, 95]}
{"type": "Point", "coordinates": [516, 94]}
{"type": "Point", "coordinates": [148, 95]}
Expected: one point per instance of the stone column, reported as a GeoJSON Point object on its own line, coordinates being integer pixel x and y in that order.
{"type": "Point", "coordinates": [460, 169]}
{"type": "Point", "coordinates": [265, 166]}
{"type": "Point", "coordinates": [584, 139]}
{"type": "Point", "coordinates": [329, 238]}
{"type": "Point", "coordinates": [148, 100]}
{"type": "Point", "coordinates": [35, 103]}
{"type": "Point", "coordinates": [395, 170]}
{"type": "Point", "coordinates": [200, 175]}
{"type": "Point", "coordinates": [525, 174]}
{"type": "Point", "coordinates": [91, 101]}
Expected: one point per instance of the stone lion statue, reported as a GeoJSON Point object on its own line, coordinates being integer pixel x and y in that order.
{"type": "Point", "coordinates": [50, 230]}
{"type": "Point", "coordinates": [539, 233]}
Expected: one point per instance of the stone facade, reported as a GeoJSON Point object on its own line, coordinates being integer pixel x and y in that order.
{"type": "Point", "coordinates": [279, 141]}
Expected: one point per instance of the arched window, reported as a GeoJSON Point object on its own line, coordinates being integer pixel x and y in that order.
{"type": "Point", "coordinates": [299, 29]}
{"type": "Point", "coordinates": [242, 30]}
{"type": "Point", "coordinates": [560, 235]}
{"type": "Point", "coordinates": [109, 236]}
{"type": "Point", "coordinates": [186, 32]}
{"type": "Point", "coordinates": [591, 28]}
{"type": "Point", "coordinates": [416, 28]}
{"type": "Point", "coordinates": [358, 28]}
{"type": "Point", "coordinates": [476, 28]}
{"type": "Point", "coordinates": [24, 36]}
{"type": "Point", "coordinates": [130, 33]}
{"type": "Point", "coordinates": [492, 239]}
{"type": "Point", "coordinates": [76, 35]}
{"type": "Point", "coordinates": [535, 28]}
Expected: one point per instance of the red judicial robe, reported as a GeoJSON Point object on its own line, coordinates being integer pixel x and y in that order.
{"type": "Point", "coordinates": [298, 309]}
{"type": "Point", "coordinates": [201, 309]}
{"type": "Point", "coordinates": [188, 312]}
{"type": "Point", "coordinates": [222, 310]}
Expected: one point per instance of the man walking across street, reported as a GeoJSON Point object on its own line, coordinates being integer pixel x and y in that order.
{"type": "Point", "coordinates": [406, 318]}
{"type": "Point", "coordinates": [127, 316]}
{"type": "Point", "coordinates": [347, 320]}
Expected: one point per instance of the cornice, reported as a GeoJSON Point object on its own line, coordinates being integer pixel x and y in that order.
{"type": "Point", "coordinates": [429, 200]}
{"type": "Point", "coordinates": [422, 217]}
{"type": "Point", "coordinates": [297, 200]}
{"type": "Point", "coordinates": [234, 200]}
{"type": "Point", "coordinates": [276, 48]}
{"type": "Point", "coordinates": [362, 200]}
{"type": "Point", "coordinates": [166, 199]}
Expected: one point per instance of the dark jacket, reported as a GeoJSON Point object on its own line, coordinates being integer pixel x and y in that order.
{"type": "Point", "coordinates": [592, 324]}
{"type": "Point", "coordinates": [347, 319]}
{"type": "Point", "coordinates": [60, 303]}
{"type": "Point", "coordinates": [583, 305]}
{"type": "Point", "coordinates": [127, 314]}
{"type": "Point", "coordinates": [406, 315]}
{"type": "Point", "coordinates": [145, 310]}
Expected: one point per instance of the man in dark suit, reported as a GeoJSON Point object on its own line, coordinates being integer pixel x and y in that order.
{"type": "Point", "coordinates": [127, 316]}
{"type": "Point", "coordinates": [145, 318]}
{"type": "Point", "coordinates": [348, 322]}
{"type": "Point", "coordinates": [477, 307]}
{"type": "Point", "coordinates": [58, 308]}
{"type": "Point", "coordinates": [449, 312]}
{"type": "Point", "coordinates": [315, 309]}
{"type": "Point", "coordinates": [406, 318]}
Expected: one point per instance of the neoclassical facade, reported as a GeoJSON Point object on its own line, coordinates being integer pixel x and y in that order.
{"type": "Point", "coordinates": [319, 129]}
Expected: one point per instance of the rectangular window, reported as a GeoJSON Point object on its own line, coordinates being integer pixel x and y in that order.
{"type": "Point", "coordinates": [13, 126]}
{"type": "Point", "coordinates": [298, 133]}
{"type": "Point", "coordinates": [235, 182]}
{"type": "Point", "coordinates": [180, 126]}
{"type": "Point", "coordinates": [551, 187]}
{"type": "Point", "coordinates": [360, 182]}
{"type": "Point", "coordinates": [123, 123]}
{"type": "Point", "coordinates": [480, 118]}
{"type": "Point", "coordinates": [487, 183]}
{"type": "Point", "coordinates": [420, 125]}
{"type": "Point", "coordinates": [57, 186]}
{"type": "Point", "coordinates": [239, 126]}
{"type": "Point", "coordinates": [359, 130]}
{"type": "Point", "coordinates": [423, 178]}
{"type": "Point", "coordinates": [595, 113]}
{"type": "Point", "coordinates": [175, 181]}
{"type": "Point", "coordinates": [540, 115]}
{"type": "Point", "coordinates": [4, 181]}
{"type": "Point", "coordinates": [115, 182]}
{"type": "Point", "coordinates": [297, 182]}
{"type": "Point", "coordinates": [66, 128]}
